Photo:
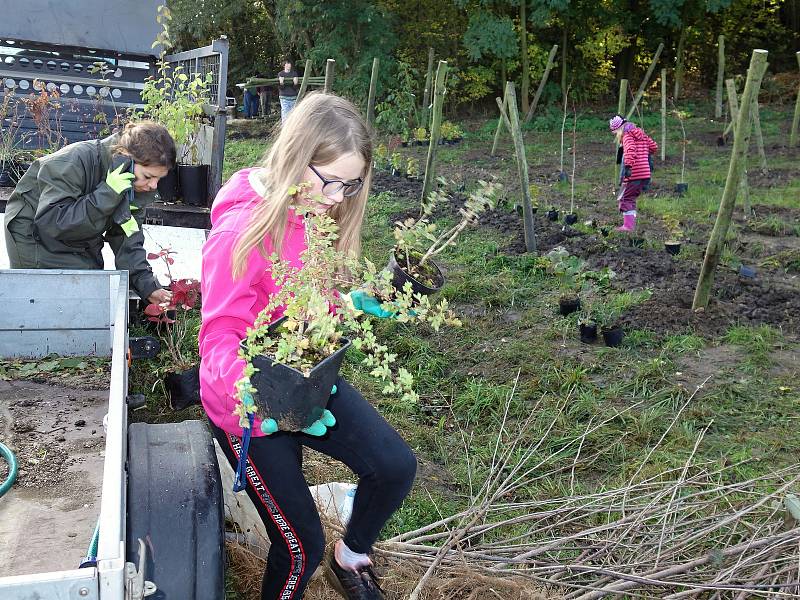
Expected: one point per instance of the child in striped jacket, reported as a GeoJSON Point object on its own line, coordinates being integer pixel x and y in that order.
{"type": "Point", "coordinates": [637, 147]}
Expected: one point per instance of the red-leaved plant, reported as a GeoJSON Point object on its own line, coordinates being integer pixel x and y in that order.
{"type": "Point", "coordinates": [172, 318]}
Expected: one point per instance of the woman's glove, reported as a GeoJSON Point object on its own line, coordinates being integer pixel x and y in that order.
{"type": "Point", "coordinates": [119, 181]}
{"type": "Point", "coordinates": [318, 428]}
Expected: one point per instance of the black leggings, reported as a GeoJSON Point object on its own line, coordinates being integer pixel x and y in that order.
{"type": "Point", "coordinates": [363, 441]}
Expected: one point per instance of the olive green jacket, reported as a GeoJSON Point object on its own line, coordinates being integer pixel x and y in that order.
{"type": "Point", "coordinates": [63, 209]}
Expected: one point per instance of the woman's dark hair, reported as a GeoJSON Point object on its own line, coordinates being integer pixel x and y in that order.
{"type": "Point", "coordinates": [148, 144]}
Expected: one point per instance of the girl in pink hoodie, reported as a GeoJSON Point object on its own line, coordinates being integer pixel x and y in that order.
{"type": "Point", "coordinates": [637, 147]}
{"type": "Point", "coordinates": [324, 142]}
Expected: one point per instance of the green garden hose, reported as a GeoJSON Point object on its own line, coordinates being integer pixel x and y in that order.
{"type": "Point", "coordinates": [9, 457]}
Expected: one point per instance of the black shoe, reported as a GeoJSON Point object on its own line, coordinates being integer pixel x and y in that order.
{"type": "Point", "coordinates": [354, 585]}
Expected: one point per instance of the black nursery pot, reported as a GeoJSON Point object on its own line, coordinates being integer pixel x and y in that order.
{"type": "Point", "coordinates": [571, 219]}
{"type": "Point", "coordinates": [400, 277]}
{"type": "Point", "coordinates": [562, 176]}
{"type": "Point", "coordinates": [168, 186]}
{"type": "Point", "coordinates": [194, 184]}
{"type": "Point", "coordinates": [183, 388]}
{"type": "Point", "coordinates": [681, 188]}
{"type": "Point", "coordinates": [612, 336]}
{"type": "Point", "coordinates": [552, 215]}
{"type": "Point", "coordinates": [588, 332]}
{"type": "Point", "coordinates": [288, 396]}
{"type": "Point", "coordinates": [567, 306]}
{"type": "Point", "coordinates": [637, 242]}
{"type": "Point", "coordinates": [605, 231]}
{"type": "Point", "coordinates": [672, 248]}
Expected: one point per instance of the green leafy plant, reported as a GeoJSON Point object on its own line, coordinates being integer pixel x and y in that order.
{"type": "Point", "coordinates": [420, 134]}
{"type": "Point", "coordinates": [10, 134]}
{"type": "Point", "coordinates": [317, 317]}
{"type": "Point", "coordinates": [398, 111]}
{"type": "Point", "coordinates": [412, 167]}
{"type": "Point", "coordinates": [418, 240]}
{"type": "Point", "coordinates": [397, 162]}
{"type": "Point", "coordinates": [176, 99]}
{"type": "Point", "coordinates": [673, 226]}
{"type": "Point", "coordinates": [380, 157]}
{"type": "Point", "coordinates": [450, 131]}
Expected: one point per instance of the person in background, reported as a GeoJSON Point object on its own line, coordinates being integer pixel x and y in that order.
{"type": "Point", "coordinates": [287, 91]}
{"type": "Point", "coordinates": [637, 147]}
{"type": "Point", "coordinates": [69, 203]}
{"type": "Point", "coordinates": [250, 101]}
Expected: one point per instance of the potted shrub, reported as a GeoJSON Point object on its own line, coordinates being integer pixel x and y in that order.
{"type": "Point", "coordinates": [607, 317]}
{"type": "Point", "coordinates": [533, 191]}
{"type": "Point", "coordinates": [177, 325]}
{"type": "Point", "coordinates": [177, 100]}
{"type": "Point", "coordinates": [11, 164]}
{"type": "Point", "coordinates": [571, 218]}
{"type": "Point", "coordinates": [450, 133]}
{"type": "Point", "coordinates": [587, 327]}
{"type": "Point", "coordinates": [412, 168]}
{"type": "Point", "coordinates": [418, 240]}
{"type": "Point", "coordinates": [292, 363]}
{"type": "Point", "coordinates": [420, 136]}
{"type": "Point", "coordinates": [397, 162]}
{"type": "Point", "coordinates": [568, 269]}
{"type": "Point", "coordinates": [673, 243]}
{"type": "Point", "coordinates": [552, 214]}
{"type": "Point", "coordinates": [380, 158]}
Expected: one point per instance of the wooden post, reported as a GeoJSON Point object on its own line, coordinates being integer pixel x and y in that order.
{"type": "Point", "coordinates": [663, 115]}
{"type": "Point", "coordinates": [564, 61]}
{"type": "Point", "coordinates": [762, 155]}
{"type": "Point", "coordinates": [526, 67]}
{"type": "Point", "coordinates": [796, 119]}
{"type": "Point", "coordinates": [330, 67]}
{"type": "Point", "coordinates": [679, 65]}
{"type": "Point", "coordinates": [426, 93]}
{"type": "Point", "coordinates": [716, 242]}
{"type": "Point", "coordinates": [438, 101]}
{"type": "Point", "coordinates": [645, 81]}
{"type": "Point", "coordinates": [522, 168]}
{"type": "Point", "coordinates": [497, 133]}
{"type": "Point", "coordinates": [503, 114]}
{"type": "Point", "coordinates": [744, 192]}
{"type": "Point", "coordinates": [373, 83]}
{"type": "Point", "coordinates": [720, 77]}
{"type": "Point", "coordinates": [733, 103]}
{"type": "Point", "coordinates": [304, 83]}
{"type": "Point", "coordinates": [534, 104]}
{"type": "Point", "coordinates": [623, 96]}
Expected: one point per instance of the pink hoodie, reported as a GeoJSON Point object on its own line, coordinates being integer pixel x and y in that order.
{"type": "Point", "coordinates": [230, 306]}
{"type": "Point", "coordinates": [636, 147]}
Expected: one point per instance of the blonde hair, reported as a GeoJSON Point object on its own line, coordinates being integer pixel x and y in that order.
{"type": "Point", "coordinates": [318, 131]}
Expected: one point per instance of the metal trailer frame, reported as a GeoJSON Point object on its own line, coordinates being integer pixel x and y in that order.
{"type": "Point", "coordinates": [79, 313]}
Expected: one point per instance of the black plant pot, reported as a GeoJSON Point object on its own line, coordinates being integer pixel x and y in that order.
{"type": "Point", "coordinates": [288, 396]}
{"type": "Point", "coordinates": [521, 210]}
{"type": "Point", "coordinates": [637, 242]}
{"type": "Point", "coordinates": [194, 184]}
{"type": "Point", "coordinates": [567, 306]}
{"type": "Point", "coordinates": [396, 172]}
{"type": "Point", "coordinates": [563, 177]}
{"type": "Point", "coordinates": [747, 272]}
{"type": "Point", "coordinates": [571, 219]}
{"type": "Point", "coordinates": [183, 388]}
{"type": "Point", "coordinates": [681, 188]}
{"type": "Point", "coordinates": [720, 140]}
{"type": "Point", "coordinates": [552, 215]}
{"type": "Point", "coordinates": [6, 178]}
{"type": "Point", "coordinates": [672, 248]}
{"type": "Point", "coordinates": [612, 336]}
{"type": "Point", "coordinates": [605, 231]}
{"type": "Point", "coordinates": [400, 277]}
{"type": "Point", "coordinates": [168, 186]}
{"type": "Point", "coordinates": [588, 332]}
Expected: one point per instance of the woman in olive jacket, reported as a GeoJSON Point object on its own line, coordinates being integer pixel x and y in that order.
{"type": "Point", "coordinates": [72, 201]}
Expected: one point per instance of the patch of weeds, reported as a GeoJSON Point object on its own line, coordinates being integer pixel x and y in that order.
{"type": "Point", "coordinates": [682, 343]}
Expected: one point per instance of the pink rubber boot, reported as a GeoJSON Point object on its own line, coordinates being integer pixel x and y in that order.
{"type": "Point", "coordinates": [628, 223]}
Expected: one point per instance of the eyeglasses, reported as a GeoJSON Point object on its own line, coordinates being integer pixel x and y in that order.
{"type": "Point", "coordinates": [334, 186]}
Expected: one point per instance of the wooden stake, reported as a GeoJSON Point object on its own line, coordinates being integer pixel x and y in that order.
{"type": "Point", "coordinates": [645, 81]}
{"type": "Point", "coordinates": [499, 125]}
{"type": "Point", "coordinates": [623, 97]}
{"type": "Point", "coordinates": [373, 83]}
{"type": "Point", "coordinates": [733, 102]}
{"type": "Point", "coordinates": [663, 115]}
{"type": "Point", "coordinates": [796, 119]}
{"type": "Point", "coordinates": [550, 61]}
{"type": "Point", "coordinates": [716, 243]}
{"type": "Point", "coordinates": [526, 68]}
{"type": "Point", "coordinates": [679, 65]}
{"type": "Point", "coordinates": [503, 114]}
{"type": "Point", "coordinates": [522, 168]}
{"type": "Point", "coordinates": [304, 83]}
{"type": "Point", "coordinates": [438, 101]}
{"type": "Point", "coordinates": [426, 93]}
{"type": "Point", "coordinates": [330, 67]}
{"type": "Point", "coordinates": [564, 61]}
{"type": "Point", "coordinates": [762, 155]}
{"type": "Point", "coordinates": [720, 77]}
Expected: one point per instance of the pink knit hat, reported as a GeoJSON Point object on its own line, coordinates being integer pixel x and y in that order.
{"type": "Point", "coordinates": [615, 122]}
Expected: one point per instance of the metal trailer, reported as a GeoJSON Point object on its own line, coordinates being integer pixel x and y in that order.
{"type": "Point", "coordinates": [161, 525]}
{"type": "Point", "coordinates": [58, 46]}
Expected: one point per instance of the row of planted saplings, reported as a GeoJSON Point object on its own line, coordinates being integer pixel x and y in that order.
{"type": "Point", "coordinates": [397, 164]}
{"type": "Point", "coordinates": [292, 363]}
{"type": "Point", "coordinates": [449, 134]}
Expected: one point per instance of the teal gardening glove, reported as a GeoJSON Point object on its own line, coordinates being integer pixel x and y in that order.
{"type": "Point", "coordinates": [318, 428]}
{"type": "Point", "coordinates": [369, 304]}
